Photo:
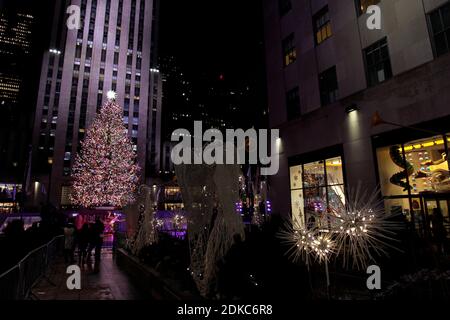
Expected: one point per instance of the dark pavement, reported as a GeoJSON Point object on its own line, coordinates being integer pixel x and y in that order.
{"type": "Point", "coordinates": [105, 281]}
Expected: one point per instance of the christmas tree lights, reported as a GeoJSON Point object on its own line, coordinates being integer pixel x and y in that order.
{"type": "Point", "coordinates": [105, 170]}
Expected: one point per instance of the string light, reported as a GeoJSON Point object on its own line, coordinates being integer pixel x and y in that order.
{"type": "Point", "coordinates": [105, 171]}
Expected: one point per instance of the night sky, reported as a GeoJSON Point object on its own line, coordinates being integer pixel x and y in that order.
{"type": "Point", "coordinates": [220, 36]}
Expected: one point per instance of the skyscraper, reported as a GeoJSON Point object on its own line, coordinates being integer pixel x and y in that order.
{"type": "Point", "coordinates": [110, 51]}
{"type": "Point", "coordinates": [16, 28]}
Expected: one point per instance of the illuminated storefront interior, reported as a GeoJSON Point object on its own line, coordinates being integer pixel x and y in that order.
{"type": "Point", "coordinates": [315, 187]}
{"type": "Point", "coordinates": [9, 197]}
{"type": "Point", "coordinates": [415, 181]}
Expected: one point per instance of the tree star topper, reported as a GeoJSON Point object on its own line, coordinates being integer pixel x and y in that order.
{"type": "Point", "coordinates": [111, 95]}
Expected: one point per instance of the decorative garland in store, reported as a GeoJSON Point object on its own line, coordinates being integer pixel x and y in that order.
{"type": "Point", "coordinates": [397, 179]}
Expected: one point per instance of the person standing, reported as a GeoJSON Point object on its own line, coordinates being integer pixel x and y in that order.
{"type": "Point", "coordinates": [438, 229]}
{"type": "Point", "coordinates": [83, 242]}
{"type": "Point", "coordinates": [99, 227]}
{"type": "Point", "coordinates": [69, 242]}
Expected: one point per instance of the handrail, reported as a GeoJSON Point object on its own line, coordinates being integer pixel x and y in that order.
{"type": "Point", "coordinates": [17, 282]}
{"type": "Point", "coordinates": [39, 248]}
{"type": "Point", "coordinates": [11, 269]}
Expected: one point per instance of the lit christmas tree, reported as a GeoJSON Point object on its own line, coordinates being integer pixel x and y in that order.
{"type": "Point", "coordinates": [105, 171]}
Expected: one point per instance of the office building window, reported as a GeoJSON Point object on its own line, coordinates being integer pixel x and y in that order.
{"type": "Point", "coordinates": [285, 6]}
{"type": "Point", "coordinates": [141, 24]}
{"type": "Point", "coordinates": [289, 51]}
{"type": "Point", "coordinates": [119, 13]}
{"type": "Point", "coordinates": [328, 85]}
{"type": "Point", "coordinates": [103, 55]}
{"type": "Point", "coordinates": [138, 63]}
{"type": "Point", "coordinates": [99, 101]}
{"type": "Point", "coordinates": [107, 16]}
{"type": "Point", "coordinates": [378, 63]}
{"type": "Point", "coordinates": [322, 25]}
{"type": "Point", "coordinates": [117, 37]}
{"type": "Point", "coordinates": [82, 14]}
{"type": "Point", "coordinates": [92, 20]}
{"type": "Point", "coordinates": [78, 51]}
{"type": "Point", "coordinates": [362, 5]}
{"type": "Point", "coordinates": [440, 28]}
{"type": "Point", "coordinates": [293, 103]}
{"type": "Point", "coordinates": [131, 27]}
{"type": "Point", "coordinates": [48, 87]}
{"type": "Point", "coordinates": [88, 53]}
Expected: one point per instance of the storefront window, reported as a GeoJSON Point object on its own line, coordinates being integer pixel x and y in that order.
{"type": "Point", "coordinates": [315, 187]}
{"type": "Point", "coordinates": [314, 174]}
{"type": "Point", "coordinates": [415, 181]}
{"type": "Point", "coordinates": [9, 197]}
{"type": "Point", "coordinates": [334, 171]}
{"type": "Point", "coordinates": [429, 160]}
{"type": "Point", "coordinates": [297, 202]}
{"type": "Point", "coordinates": [392, 171]}
{"type": "Point", "coordinates": [418, 166]}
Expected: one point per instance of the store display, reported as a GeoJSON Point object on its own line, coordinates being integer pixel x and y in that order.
{"type": "Point", "coordinates": [399, 177]}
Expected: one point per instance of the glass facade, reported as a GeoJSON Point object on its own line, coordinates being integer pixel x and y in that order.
{"type": "Point", "coordinates": [316, 187]}
{"type": "Point", "coordinates": [415, 181]}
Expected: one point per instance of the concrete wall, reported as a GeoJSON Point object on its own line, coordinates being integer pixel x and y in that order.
{"type": "Point", "coordinates": [404, 23]}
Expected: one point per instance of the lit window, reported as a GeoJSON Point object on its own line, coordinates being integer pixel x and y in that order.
{"type": "Point", "coordinates": [315, 186]}
{"type": "Point", "coordinates": [289, 51]}
{"type": "Point", "coordinates": [362, 5]}
{"type": "Point", "coordinates": [410, 171]}
{"type": "Point", "coordinates": [322, 25]}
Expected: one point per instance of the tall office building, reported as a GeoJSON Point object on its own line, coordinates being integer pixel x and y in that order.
{"type": "Point", "coordinates": [328, 74]}
{"type": "Point", "coordinates": [16, 33]}
{"type": "Point", "coordinates": [112, 50]}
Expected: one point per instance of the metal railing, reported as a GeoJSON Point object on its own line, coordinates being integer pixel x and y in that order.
{"type": "Point", "coordinates": [16, 283]}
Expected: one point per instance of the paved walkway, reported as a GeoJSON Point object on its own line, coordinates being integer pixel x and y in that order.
{"type": "Point", "coordinates": [104, 281]}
